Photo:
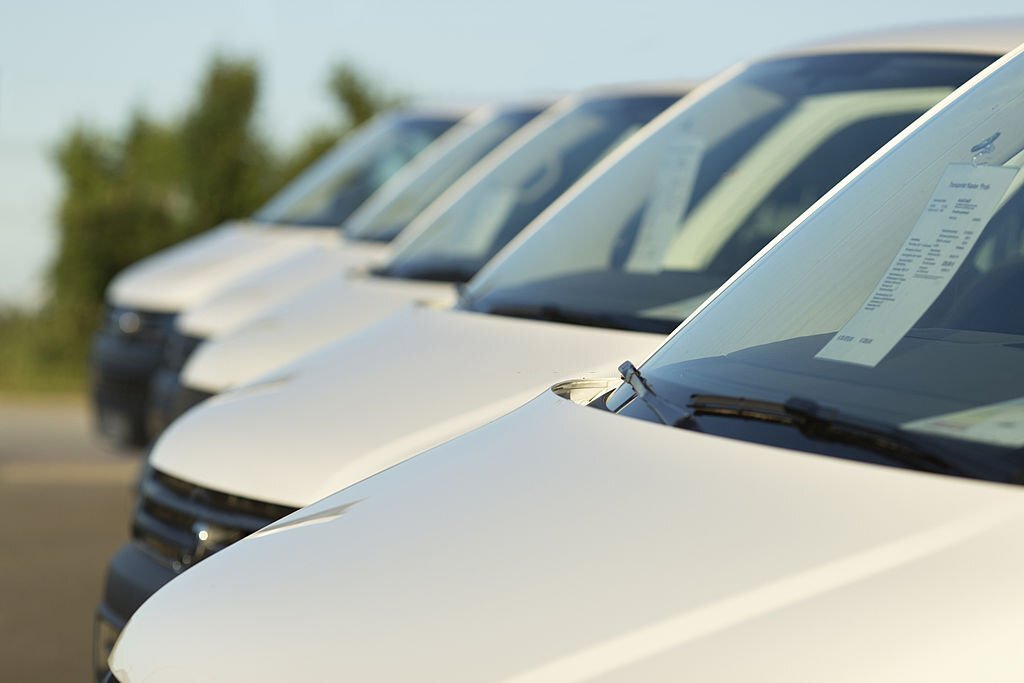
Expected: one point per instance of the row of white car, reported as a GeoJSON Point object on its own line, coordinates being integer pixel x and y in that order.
{"type": "Point", "coordinates": [815, 476]}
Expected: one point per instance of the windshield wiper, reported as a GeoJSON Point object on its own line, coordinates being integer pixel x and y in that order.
{"type": "Point", "coordinates": [558, 314]}
{"type": "Point", "coordinates": [826, 424]}
{"type": "Point", "coordinates": [666, 411]}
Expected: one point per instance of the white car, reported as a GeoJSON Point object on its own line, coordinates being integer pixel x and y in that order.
{"type": "Point", "coordinates": [623, 258]}
{"type": "Point", "coordinates": [426, 375]}
{"type": "Point", "coordinates": [362, 242]}
{"type": "Point", "coordinates": [445, 244]}
{"type": "Point", "coordinates": [835, 496]}
{"type": "Point", "coordinates": [302, 219]}
{"type": "Point", "coordinates": [534, 166]}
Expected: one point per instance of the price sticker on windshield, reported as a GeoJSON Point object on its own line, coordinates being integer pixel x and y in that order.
{"type": "Point", "coordinates": [673, 189]}
{"type": "Point", "coordinates": [956, 215]}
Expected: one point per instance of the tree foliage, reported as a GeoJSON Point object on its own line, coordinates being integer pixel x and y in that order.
{"type": "Point", "coordinates": [227, 166]}
{"type": "Point", "coordinates": [134, 192]}
{"type": "Point", "coordinates": [358, 96]}
{"type": "Point", "coordinates": [128, 195]}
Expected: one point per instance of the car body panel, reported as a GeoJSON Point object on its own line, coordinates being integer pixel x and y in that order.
{"type": "Point", "coordinates": [335, 409]}
{"type": "Point", "coordinates": [341, 304]}
{"type": "Point", "coordinates": [967, 37]}
{"type": "Point", "coordinates": [247, 297]}
{"type": "Point", "coordinates": [253, 351]}
{"type": "Point", "coordinates": [549, 546]}
{"type": "Point", "coordinates": [188, 272]}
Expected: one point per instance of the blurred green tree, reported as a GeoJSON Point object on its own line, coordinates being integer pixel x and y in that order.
{"type": "Point", "coordinates": [358, 96]}
{"type": "Point", "coordinates": [228, 169]}
{"type": "Point", "coordinates": [128, 195]}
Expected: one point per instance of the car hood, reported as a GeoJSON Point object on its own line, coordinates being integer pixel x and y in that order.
{"type": "Point", "coordinates": [177, 277]}
{"type": "Point", "coordinates": [341, 304]}
{"type": "Point", "coordinates": [562, 543]}
{"type": "Point", "coordinates": [367, 402]}
{"type": "Point", "coordinates": [246, 298]}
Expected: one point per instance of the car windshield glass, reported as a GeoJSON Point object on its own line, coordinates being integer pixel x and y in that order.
{"type": "Point", "coordinates": [394, 206]}
{"type": "Point", "coordinates": [326, 193]}
{"type": "Point", "coordinates": [709, 184]}
{"type": "Point", "coordinates": [895, 303]}
{"type": "Point", "coordinates": [519, 180]}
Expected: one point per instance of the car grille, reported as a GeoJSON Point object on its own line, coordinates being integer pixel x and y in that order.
{"type": "Point", "coordinates": [182, 524]}
{"type": "Point", "coordinates": [179, 348]}
{"type": "Point", "coordinates": [189, 398]}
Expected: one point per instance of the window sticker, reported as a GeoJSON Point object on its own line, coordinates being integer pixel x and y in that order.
{"type": "Point", "coordinates": [1000, 424]}
{"type": "Point", "coordinates": [957, 213]}
{"type": "Point", "coordinates": [673, 189]}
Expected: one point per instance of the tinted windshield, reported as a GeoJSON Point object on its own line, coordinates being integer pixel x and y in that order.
{"type": "Point", "coordinates": [453, 243]}
{"type": "Point", "coordinates": [326, 193]}
{"type": "Point", "coordinates": [387, 213]}
{"type": "Point", "coordinates": [710, 184]}
{"type": "Point", "coordinates": [895, 304]}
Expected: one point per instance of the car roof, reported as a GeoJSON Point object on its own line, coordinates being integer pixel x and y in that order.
{"type": "Point", "coordinates": [674, 87]}
{"type": "Point", "coordinates": [991, 36]}
{"type": "Point", "coordinates": [442, 111]}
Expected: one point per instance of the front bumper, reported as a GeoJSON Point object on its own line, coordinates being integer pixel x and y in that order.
{"type": "Point", "coordinates": [121, 369]}
{"type": "Point", "coordinates": [133, 575]}
{"type": "Point", "coordinates": [175, 525]}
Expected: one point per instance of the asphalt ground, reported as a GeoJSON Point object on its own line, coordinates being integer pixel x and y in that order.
{"type": "Point", "coordinates": [64, 509]}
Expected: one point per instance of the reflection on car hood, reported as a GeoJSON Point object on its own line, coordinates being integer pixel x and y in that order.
{"type": "Point", "coordinates": [177, 277]}
{"type": "Point", "coordinates": [562, 543]}
{"type": "Point", "coordinates": [361, 405]}
{"type": "Point", "coordinates": [248, 297]}
{"type": "Point", "coordinates": [340, 305]}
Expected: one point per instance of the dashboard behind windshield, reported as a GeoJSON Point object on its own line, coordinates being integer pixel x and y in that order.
{"type": "Point", "coordinates": [895, 303]}
{"type": "Point", "coordinates": [384, 223]}
{"type": "Point", "coordinates": [706, 189]}
{"type": "Point", "coordinates": [468, 232]}
{"type": "Point", "coordinates": [329, 191]}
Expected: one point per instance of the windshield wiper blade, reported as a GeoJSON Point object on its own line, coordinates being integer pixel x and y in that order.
{"type": "Point", "coordinates": [555, 314]}
{"type": "Point", "coordinates": [559, 314]}
{"type": "Point", "coordinates": [826, 424]}
{"type": "Point", "coordinates": [666, 411]}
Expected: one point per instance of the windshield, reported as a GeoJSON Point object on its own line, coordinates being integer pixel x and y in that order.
{"type": "Point", "coordinates": [518, 182]}
{"type": "Point", "coordinates": [709, 184]}
{"type": "Point", "coordinates": [326, 193]}
{"type": "Point", "coordinates": [392, 208]}
{"type": "Point", "coordinates": [895, 304]}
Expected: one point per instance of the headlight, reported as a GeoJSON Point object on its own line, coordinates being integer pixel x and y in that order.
{"type": "Point", "coordinates": [129, 322]}
{"type": "Point", "coordinates": [136, 324]}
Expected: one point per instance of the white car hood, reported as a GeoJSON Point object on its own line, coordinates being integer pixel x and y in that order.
{"type": "Point", "coordinates": [177, 277]}
{"type": "Point", "coordinates": [562, 543]}
{"type": "Point", "coordinates": [248, 297]}
{"type": "Point", "coordinates": [379, 396]}
{"type": "Point", "coordinates": [340, 305]}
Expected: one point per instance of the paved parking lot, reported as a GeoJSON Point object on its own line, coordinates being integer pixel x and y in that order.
{"type": "Point", "coordinates": [64, 505]}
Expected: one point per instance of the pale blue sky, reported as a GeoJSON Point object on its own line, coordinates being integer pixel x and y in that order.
{"type": "Point", "coordinates": [63, 61]}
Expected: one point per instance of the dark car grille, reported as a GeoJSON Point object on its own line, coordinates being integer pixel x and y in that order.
{"type": "Point", "coordinates": [179, 348]}
{"type": "Point", "coordinates": [189, 398]}
{"type": "Point", "coordinates": [182, 523]}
